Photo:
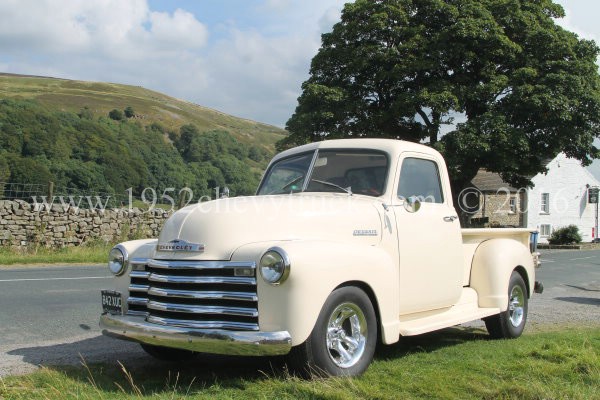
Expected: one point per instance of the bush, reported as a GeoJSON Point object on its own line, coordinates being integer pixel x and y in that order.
{"type": "Point", "coordinates": [129, 112]}
{"type": "Point", "coordinates": [565, 235]}
{"type": "Point", "coordinates": [117, 115]}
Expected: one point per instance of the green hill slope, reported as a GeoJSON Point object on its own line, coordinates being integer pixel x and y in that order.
{"type": "Point", "coordinates": [59, 130]}
{"type": "Point", "coordinates": [150, 106]}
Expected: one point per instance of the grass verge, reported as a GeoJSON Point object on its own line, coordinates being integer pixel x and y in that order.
{"type": "Point", "coordinates": [450, 364]}
{"type": "Point", "coordinates": [92, 253]}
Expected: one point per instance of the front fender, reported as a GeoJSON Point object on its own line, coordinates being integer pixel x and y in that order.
{"type": "Point", "coordinates": [317, 268]}
{"type": "Point", "coordinates": [493, 263]}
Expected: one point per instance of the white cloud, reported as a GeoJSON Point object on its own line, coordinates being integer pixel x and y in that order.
{"type": "Point", "coordinates": [252, 71]}
{"type": "Point", "coordinates": [121, 29]}
{"type": "Point", "coordinates": [180, 28]}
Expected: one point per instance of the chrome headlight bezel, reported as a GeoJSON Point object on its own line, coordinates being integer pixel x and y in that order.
{"type": "Point", "coordinates": [118, 260]}
{"type": "Point", "coordinates": [274, 266]}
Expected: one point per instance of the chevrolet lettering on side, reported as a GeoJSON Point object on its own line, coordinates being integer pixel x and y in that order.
{"type": "Point", "coordinates": [345, 244]}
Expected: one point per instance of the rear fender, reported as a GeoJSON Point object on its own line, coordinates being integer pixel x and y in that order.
{"type": "Point", "coordinates": [493, 263]}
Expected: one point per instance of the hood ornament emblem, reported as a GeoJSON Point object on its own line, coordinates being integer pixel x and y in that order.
{"type": "Point", "coordinates": [180, 245]}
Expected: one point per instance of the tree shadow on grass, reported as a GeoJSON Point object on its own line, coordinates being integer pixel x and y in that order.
{"type": "Point", "coordinates": [117, 367]}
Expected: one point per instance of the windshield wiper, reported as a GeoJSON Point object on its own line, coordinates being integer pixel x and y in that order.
{"type": "Point", "coordinates": [283, 189]}
{"type": "Point", "coordinates": [343, 189]}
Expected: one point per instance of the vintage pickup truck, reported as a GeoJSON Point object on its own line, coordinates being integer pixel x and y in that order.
{"type": "Point", "coordinates": [346, 243]}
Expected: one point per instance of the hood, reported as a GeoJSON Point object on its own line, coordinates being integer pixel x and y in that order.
{"type": "Point", "coordinates": [221, 226]}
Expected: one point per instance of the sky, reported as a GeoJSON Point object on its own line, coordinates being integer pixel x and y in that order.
{"type": "Point", "coordinates": [246, 58]}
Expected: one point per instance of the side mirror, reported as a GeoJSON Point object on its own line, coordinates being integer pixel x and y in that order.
{"type": "Point", "coordinates": [412, 204]}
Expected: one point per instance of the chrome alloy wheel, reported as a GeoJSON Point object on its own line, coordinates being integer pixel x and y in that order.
{"type": "Point", "coordinates": [516, 305]}
{"type": "Point", "coordinates": [346, 335]}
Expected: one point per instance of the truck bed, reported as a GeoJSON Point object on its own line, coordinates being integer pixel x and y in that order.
{"type": "Point", "coordinates": [473, 237]}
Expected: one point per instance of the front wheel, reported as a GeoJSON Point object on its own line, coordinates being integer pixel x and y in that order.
{"type": "Point", "coordinates": [510, 323]}
{"type": "Point", "coordinates": [343, 340]}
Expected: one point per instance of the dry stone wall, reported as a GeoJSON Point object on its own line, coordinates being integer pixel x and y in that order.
{"type": "Point", "coordinates": [23, 224]}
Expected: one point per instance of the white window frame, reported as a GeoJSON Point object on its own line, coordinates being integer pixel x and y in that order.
{"type": "Point", "coordinates": [545, 203]}
{"type": "Point", "coordinates": [545, 230]}
{"type": "Point", "coordinates": [512, 203]}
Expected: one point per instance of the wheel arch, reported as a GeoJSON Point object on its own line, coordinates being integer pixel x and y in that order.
{"type": "Point", "coordinates": [523, 272]}
{"type": "Point", "coordinates": [372, 298]}
{"type": "Point", "coordinates": [492, 265]}
{"type": "Point", "coordinates": [317, 269]}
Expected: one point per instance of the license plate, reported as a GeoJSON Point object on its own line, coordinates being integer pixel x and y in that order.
{"type": "Point", "coordinates": [111, 302]}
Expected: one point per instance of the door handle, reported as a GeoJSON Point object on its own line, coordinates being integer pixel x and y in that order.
{"type": "Point", "coordinates": [450, 218]}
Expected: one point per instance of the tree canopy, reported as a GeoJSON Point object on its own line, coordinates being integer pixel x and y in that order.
{"type": "Point", "coordinates": [493, 84]}
{"type": "Point", "coordinates": [90, 154]}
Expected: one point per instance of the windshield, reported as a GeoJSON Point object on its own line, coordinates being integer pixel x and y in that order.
{"type": "Point", "coordinates": [341, 171]}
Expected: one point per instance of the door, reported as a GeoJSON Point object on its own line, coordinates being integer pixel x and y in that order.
{"type": "Point", "coordinates": [429, 236]}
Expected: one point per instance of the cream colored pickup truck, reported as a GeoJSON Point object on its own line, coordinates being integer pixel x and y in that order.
{"type": "Point", "coordinates": [346, 243]}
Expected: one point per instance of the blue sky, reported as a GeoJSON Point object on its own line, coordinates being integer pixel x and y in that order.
{"type": "Point", "coordinates": [247, 58]}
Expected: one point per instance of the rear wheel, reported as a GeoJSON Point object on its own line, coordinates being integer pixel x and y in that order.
{"type": "Point", "coordinates": [510, 323]}
{"type": "Point", "coordinates": [343, 340]}
{"type": "Point", "coordinates": [167, 353]}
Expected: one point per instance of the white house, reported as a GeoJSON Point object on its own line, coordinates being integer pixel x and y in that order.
{"type": "Point", "coordinates": [560, 198]}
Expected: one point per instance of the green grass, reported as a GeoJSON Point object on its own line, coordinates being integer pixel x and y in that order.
{"type": "Point", "coordinates": [451, 364]}
{"type": "Point", "coordinates": [92, 253]}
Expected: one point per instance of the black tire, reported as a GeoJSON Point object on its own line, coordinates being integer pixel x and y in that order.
{"type": "Point", "coordinates": [167, 353]}
{"type": "Point", "coordinates": [346, 322]}
{"type": "Point", "coordinates": [510, 323]}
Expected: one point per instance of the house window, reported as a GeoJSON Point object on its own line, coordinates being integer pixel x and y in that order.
{"type": "Point", "coordinates": [513, 205]}
{"type": "Point", "coordinates": [545, 230]}
{"type": "Point", "coordinates": [545, 207]}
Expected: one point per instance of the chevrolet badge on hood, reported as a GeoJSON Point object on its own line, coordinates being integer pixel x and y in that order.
{"type": "Point", "coordinates": [180, 245]}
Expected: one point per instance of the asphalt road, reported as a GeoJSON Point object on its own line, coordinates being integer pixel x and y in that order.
{"type": "Point", "coordinates": [564, 268]}
{"type": "Point", "coordinates": [49, 315]}
{"type": "Point", "coordinates": [38, 304]}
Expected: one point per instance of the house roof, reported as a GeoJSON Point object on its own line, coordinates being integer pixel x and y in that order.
{"type": "Point", "coordinates": [487, 181]}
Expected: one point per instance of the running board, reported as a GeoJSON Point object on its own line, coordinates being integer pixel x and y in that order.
{"type": "Point", "coordinates": [465, 310]}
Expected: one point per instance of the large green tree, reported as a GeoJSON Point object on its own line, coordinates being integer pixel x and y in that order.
{"type": "Point", "coordinates": [493, 84]}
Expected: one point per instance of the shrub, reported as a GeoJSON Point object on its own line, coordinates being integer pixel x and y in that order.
{"type": "Point", "coordinates": [565, 235]}
{"type": "Point", "coordinates": [129, 112]}
{"type": "Point", "coordinates": [115, 114]}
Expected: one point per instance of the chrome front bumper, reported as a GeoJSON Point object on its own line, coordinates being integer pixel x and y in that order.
{"type": "Point", "coordinates": [215, 341]}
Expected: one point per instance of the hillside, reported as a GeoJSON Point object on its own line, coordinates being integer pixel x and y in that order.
{"type": "Point", "coordinates": [150, 106]}
{"type": "Point", "coordinates": [59, 130]}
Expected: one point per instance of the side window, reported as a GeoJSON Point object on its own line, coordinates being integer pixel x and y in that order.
{"type": "Point", "coordinates": [420, 178]}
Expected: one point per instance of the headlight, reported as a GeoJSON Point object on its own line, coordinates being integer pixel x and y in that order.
{"type": "Point", "coordinates": [117, 260]}
{"type": "Point", "coordinates": [274, 266]}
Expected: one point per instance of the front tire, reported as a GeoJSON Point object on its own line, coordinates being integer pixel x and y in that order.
{"type": "Point", "coordinates": [342, 342]}
{"type": "Point", "coordinates": [510, 323]}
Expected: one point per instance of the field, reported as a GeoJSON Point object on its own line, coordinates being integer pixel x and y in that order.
{"type": "Point", "coordinates": [450, 364]}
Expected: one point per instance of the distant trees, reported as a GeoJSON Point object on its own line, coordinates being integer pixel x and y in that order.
{"type": "Point", "coordinates": [115, 114]}
{"type": "Point", "coordinates": [119, 115]}
{"type": "Point", "coordinates": [86, 113]}
{"type": "Point", "coordinates": [78, 151]}
{"type": "Point", "coordinates": [129, 113]}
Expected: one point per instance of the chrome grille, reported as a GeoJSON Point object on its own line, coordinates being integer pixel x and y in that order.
{"type": "Point", "coordinates": [195, 294]}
